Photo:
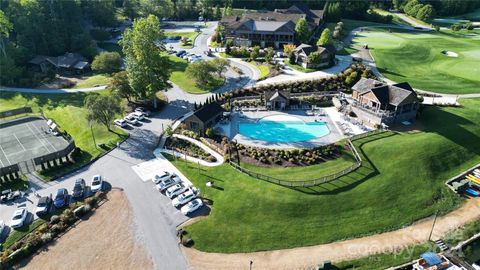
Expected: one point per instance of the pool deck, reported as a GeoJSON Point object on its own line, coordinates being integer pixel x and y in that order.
{"type": "Point", "coordinates": [231, 129]}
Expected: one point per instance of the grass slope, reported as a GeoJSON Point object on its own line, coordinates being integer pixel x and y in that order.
{"type": "Point", "coordinates": [402, 180]}
{"type": "Point", "coordinates": [181, 78]}
{"type": "Point", "coordinates": [416, 57]}
{"type": "Point", "coordinates": [93, 81]}
{"type": "Point", "coordinates": [190, 35]}
{"type": "Point", "coordinates": [68, 112]}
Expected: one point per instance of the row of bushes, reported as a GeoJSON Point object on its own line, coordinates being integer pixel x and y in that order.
{"type": "Point", "coordinates": [188, 148]}
{"type": "Point", "coordinates": [46, 232]}
{"type": "Point", "coordinates": [282, 157]}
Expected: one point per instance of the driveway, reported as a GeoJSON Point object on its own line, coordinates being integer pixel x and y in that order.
{"type": "Point", "coordinates": [155, 218]}
{"type": "Point", "coordinates": [200, 45]}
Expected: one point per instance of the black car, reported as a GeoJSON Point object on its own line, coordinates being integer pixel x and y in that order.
{"type": "Point", "coordinates": [79, 188]}
{"type": "Point", "coordinates": [43, 205]}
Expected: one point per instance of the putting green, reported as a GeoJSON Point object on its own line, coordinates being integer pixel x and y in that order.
{"type": "Point", "coordinates": [417, 58]}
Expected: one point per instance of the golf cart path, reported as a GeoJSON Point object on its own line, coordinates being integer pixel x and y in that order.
{"type": "Point", "coordinates": [368, 59]}
{"type": "Point", "coordinates": [307, 257]}
{"type": "Point", "coordinates": [205, 148]}
{"type": "Point", "coordinates": [51, 91]}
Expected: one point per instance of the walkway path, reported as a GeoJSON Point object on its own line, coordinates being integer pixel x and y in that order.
{"type": "Point", "coordinates": [218, 157]}
{"type": "Point", "coordinates": [412, 22]}
{"type": "Point", "coordinates": [51, 91]}
{"type": "Point", "coordinates": [307, 257]}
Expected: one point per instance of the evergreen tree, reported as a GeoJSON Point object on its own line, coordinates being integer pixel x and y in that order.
{"type": "Point", "coordinates": [302, 33]}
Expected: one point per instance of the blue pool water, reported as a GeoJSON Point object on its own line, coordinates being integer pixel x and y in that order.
{"type": "Point", "coordinates": [284, 131]}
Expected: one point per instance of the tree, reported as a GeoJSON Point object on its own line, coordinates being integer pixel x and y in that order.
{"type": "Point", "coordinates": [184, 40]}
{"type": "Point", "coordinates": [5, 28]}
{"type": "Point", "coordinates": [217, 14]}
{"type": "Point", "coordinates": [201, 72]}
{"type": "Point", "coordinates": [146, 63]}
{"type": "Point", "coordinates": [220, 65]}
{"type": "Point", "coordinates": [102, 109]}
{"type": "Point", "coordinates": [204, 7]}
{"type": "Point", "coordinates": [269, 54]}
{"type": "Point", "coordinates": [288, 48]}
{"type": "Point", "coordinates": [255, 53]}
{"type": "Point", "coordinates": [291, 58]}
{"type": "Point", "coordinates": [131, 8]}
{"type": "Point", "coordinates": [101, 13]}
{"type": "Point", "coordinates": [159, 8]}
{"type": "Point", "coordinates": [228, 46]}
{"type": "Point", "coordinates": [120, 87]}
{"type": "Point", "coordinates": [426, 13]}
{"type": "Point", "coordinates": [315, 58]}
{"type": "Point", "coordinates": [302, 33]}
{"type": "Point", "coordinates": [107, 62]}
{"type": "Point", "coordinates": [325, 38]}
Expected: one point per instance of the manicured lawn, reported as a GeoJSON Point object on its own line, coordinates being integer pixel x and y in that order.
{"type": "Point", "coordinates": [264, 70]}
{"type": "Point", "coordinates": [416, 57]}
{"type": "Point", "coordinates": [190, 35]}
{"type": "Point", "coordinates": [68, 112]}
{"type": "Point", "coordinates": [306, 172]}
{"type": "Point", "coordinates": [401, 181]}
{"type": "Point", "coordinates": [18, 234]}
{"type": "Point", "coordinates": [93, 81]}
{"type": "Point", "coordinates": [300, 68]}
{"type": "Point", "coordinates": [181, 78]}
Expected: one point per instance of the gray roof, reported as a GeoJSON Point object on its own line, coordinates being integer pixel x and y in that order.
{"type": "Point", "coordinates": [396, 95]}
{"type": "Point", "coordinates": [366, 84]}
{"type": "Point", "coordinates": [80, 65]}
{"type": "Point", "coordinates": [271, 95]}
{"type": "Point", "coordinates": [305, 48]}
{"type": "Point", "coordinates": [68, 60]}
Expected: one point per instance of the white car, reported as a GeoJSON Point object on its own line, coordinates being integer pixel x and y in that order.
{"type": "Point", "coordinates": [191, 206]}
{"type": "Point", "coordinates": [175, 190]}
{"type": "Point", "coordinates": [170, 181]}
{"type": "Point", "coordinates": [97, 183]}
{"type": "Point", "coordinates": [187, 55]}
{"type": "Point", "coordinates": [143, 110]}
{"type": "Point", "coordinates": [131, 120]}
{"type": "Point", "coordinates": [2, 227]}
{"type": "Point", "coordinates": [184, 198]}
{"type": "Point", "coordinates": [160, 177]}
{"type": "Point", "coordinates": [120, 122]}
{"type": "Point", "coordinates": [138, 115]}
{"type": "Point", "coordinates": [18, 218]}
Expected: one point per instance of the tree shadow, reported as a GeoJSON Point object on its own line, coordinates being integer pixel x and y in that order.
{"type": "Point", "coordinates": [140, 144]}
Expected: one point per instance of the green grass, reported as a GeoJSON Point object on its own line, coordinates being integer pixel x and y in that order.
{"type": "Point", "coordinates": [93, 81]}
{"type": "Point", "coordinates": [401, 181]}
{"type": "Point", "coordinates": [385, 260]}
{"type": "Point", "coordinates": [110, 47]}
{"type": "Point", "coordinates": [300, 68]}
{"type": "Point", "coordinates": [395, 20]}
{"type": "Point", "coordinates": [19, 233]}
{"type": "Point", "coordinates": [68, 112]}
{"type": "Point", "coordinates": [306, 172]}
{"type": "Point", "coordinates": [190, 35]}
{"type": "Point", "coordinates": [416, 57]}
{"type": "Point", "coordinates": [184, 81]}
{"type": "Point", "coordinates": [264, 70]}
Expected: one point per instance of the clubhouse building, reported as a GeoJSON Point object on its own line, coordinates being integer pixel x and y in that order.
{"type": "Point", "coordinates": [376, 103]}
{"type": "Point", "coordinates": [273, 28]}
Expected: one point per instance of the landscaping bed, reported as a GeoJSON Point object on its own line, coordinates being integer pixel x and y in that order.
{"type": "Point", "coordinates": [188, 148]}
{"type": "Point", "coordinates": [21, 244]}
{"type": "Point", "coordinates": [384, 194]}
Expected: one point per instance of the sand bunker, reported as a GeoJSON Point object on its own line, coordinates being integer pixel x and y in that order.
{"type": "Point", "coordinates": [450, 54]}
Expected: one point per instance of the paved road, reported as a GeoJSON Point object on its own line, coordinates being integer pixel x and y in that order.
{"type": "Point", "coordinates": [155, 217]}
{"type": "Point", "coordinates": [412, 22]}
{"type": "Point", "coordinates": [51, 91]}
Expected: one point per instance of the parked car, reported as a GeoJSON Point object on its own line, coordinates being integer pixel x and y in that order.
{"type": "Point", "coordinates": [137, 115]}
{"type": "Point", "coordinates": [131, 119]}
{"type": "Point", "coordinates": [208, 53]}
{"type": "Point", "coordinates": [2, 226]}
{"type": "Point", "coordinates": [61, 198]}
{"type": "Point", "coordinates": [9, 195]}
{"type": "Point", "coordinates": [120, 122]}
{"type": "Point", "coordinates": [43, 205]}
{"type": "Point", "coordinates": [180, 53]}
{"type": "Point", "coordinates": [175, 190]}
{"type": "Point", "coordinates": [191, 206]}
{"type": "Point", "coordinates": [193, 60]}
{"type": "Point", "coordinates": [166, 183]}
{"type": "Point", "coordinates": [160, 177]}
{"type": "Point", "coordinates": [143, 110]}
{"type": "Point", "coordinates": [79, 188]}
{"type": "Point", "coordinates": [185, 197]}
{"type": "Point", "coordinates": [185, 56]}
{"type": "Point", "coordinates": [97, 183]}
{"type": "Point", "coordinates": [18, 218]}
{"type": "Point", "coordinates": [192, 57]}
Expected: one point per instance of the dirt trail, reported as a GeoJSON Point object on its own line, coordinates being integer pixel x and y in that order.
{"type": "Point", "coordinates": [306, 257]}
{"type": "Point", "coordinates": [104, 241]}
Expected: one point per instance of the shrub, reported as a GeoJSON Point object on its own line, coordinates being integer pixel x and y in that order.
{"type": "Point", "coordinates": [54, 219]}
{"type": "Point", "coordinates": [107, 62]}
{"type": "Point", "coordinates": [91, 201]}
{"type": "Point", "coordinates": [209, 132]}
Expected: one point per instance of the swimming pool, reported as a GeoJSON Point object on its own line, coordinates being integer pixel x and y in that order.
{"type": "Point", "coordinates": [283, 129]}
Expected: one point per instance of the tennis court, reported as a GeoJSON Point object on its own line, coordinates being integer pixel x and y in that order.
{"type": "Point", "coordinates": [27, 138]}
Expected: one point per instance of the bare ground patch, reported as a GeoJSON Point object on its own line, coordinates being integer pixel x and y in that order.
{"type": "Point", "coordinates": [104, 241]}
